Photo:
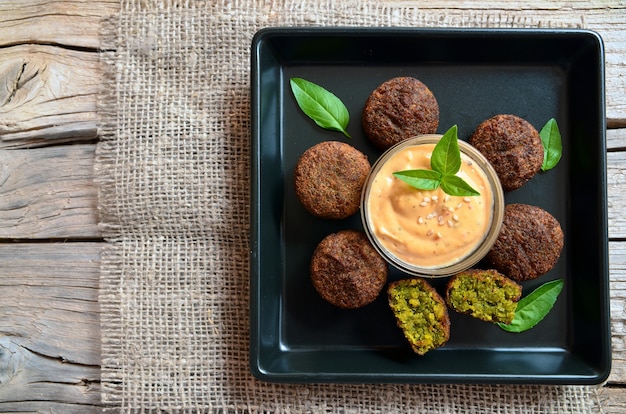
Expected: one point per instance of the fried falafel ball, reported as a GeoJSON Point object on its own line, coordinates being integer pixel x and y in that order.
{"type": "Point", "coordinates": [512, 146]}
{"type": "Point", "coordinates": [398, 109]}
{"type": "Point", "coordinates": [529, 244]}
{"type": "Point", "coordinates": [329, 177]}
{"type": "Point", "coordinates": [347, 271]}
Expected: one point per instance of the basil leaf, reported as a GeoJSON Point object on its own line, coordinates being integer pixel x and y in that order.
{"type": "Point", "coordinates": [455, 186]}
{"type": "Point", "coordinates": [552, 146]}
{"type": "Point", "coordinates": [445, 162]}
{"type": "Point", "coordinates": [533, 308]}
{"type": "Point", "coordinates": [446, 157]}
{"type": "Point", "coordinates": [320, 105]}
{"type": "Point", "coordinates": [420, 179]}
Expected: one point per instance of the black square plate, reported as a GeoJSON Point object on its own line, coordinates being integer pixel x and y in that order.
{"type": "Point", "coordinates": [474, 74]}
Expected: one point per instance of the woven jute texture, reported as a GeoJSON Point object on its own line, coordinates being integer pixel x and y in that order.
{"type": "Point", "coordinates": [173, 169]}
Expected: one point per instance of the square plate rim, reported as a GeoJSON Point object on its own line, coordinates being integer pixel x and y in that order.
{"type": "Point", "coordinates": [256, 301]}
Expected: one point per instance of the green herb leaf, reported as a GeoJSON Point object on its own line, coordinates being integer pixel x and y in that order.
{"type": "Point", "coordinates": [320, 105]}
{"type": "Point", "coordinates": [446, 156]}
{"type": "Point", "coordinates": [445, 162]}
{"type": "Point", "coordinates": [552, 146]}
{"type": "Point", "coordinates": [456, 186]}
{"type": "Point", "coordinates": [420, 179]}
{"type": "Point", "coordinates": [533, 308]}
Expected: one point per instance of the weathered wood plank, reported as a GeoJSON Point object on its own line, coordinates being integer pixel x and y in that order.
{"type": "Point", "coordinates": [75, 23]}
{"type": "Point", "coordinates": [39, 407]}
{"type": "Point", "coordinates": [50, 329]}
{"type": "Point", "coordinates": [47, 95]}
{"type": "Point", "coordinates": [616, 188]}
{"type": "Point", "coordinates": [48, 193]}
{"type": "Point", "coordinates": [617, 270]}
{"type": "Point", "coordinates": [515, 5]}
{"type": "Point", "coordinates": [616, 139]}
{"type": "Point", "coordinates": [29, 377]}
{"type": "Point", "coordinates": [612, 399]}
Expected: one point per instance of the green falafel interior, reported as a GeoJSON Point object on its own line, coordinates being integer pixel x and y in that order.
{"type": "Point", "coordinates": [484, 294]}
{"type": "Point", "coordinates": [420, 313]}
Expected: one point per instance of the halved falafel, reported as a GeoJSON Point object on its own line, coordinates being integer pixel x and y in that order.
{"type": "Point", "coordinates": [529, 244]}
{"type": "Point", "coordinates": [420, 313]}
{"type": "Point", "coordinates": [347, 271]}
{"type": "Point", "coordinates": [398, 109]}
{"type": "Point", "coordinates": [329, 177]}
{"type": "Point", "coordinates": [512, 146]}
{"type": "Point", "coordinates": [483, 294]}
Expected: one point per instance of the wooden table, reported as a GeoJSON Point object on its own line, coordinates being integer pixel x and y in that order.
{"type": "Point", "coordinates": [49, 238]}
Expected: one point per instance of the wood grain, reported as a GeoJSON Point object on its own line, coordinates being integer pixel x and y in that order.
{"type": "Point", "coordinates": [50, 329]}
{"type": "Point", "coordinates": [612, 399]}
{"type": "Point", "coordinates": [512, 5]}
{"type": "Point", "coordinates": [617, 270]}
{"type": "Point", "coordinates": [49, 78]}
{"type": "Point", "coordinates": [48, 95]}
{"type": "Point", "coordinates": [48, 193]}
{"type": "Point", "coordinates": [616, 139]}
{"type": "Point", "coordinates": [616, 189]}
{"type": "Point", "coordinates": [75, 23]}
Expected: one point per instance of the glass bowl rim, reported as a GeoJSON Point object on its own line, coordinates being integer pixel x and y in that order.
{"type": "Point", "coordinates": [466, 261]}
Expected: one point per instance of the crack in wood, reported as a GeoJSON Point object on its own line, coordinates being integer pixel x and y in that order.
{"type": "Point", "coordinates": [59, 358]}
{"type": "Point", "coordinates": [82, 382]}
{"type": "Point", "coordinates": [15, 85]}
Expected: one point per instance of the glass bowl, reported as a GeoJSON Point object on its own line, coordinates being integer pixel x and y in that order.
{"type": "Point", "coordinates": [430, 233]}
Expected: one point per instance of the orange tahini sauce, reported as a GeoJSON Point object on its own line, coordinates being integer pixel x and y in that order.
{"type": "Point", "coordinates": [428, 229]}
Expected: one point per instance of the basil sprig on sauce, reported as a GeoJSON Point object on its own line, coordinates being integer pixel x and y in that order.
{"type": "Point", "coordinates": [320, 105]}
{"type": "Point", "coordinates": [445, 162]}
{"type": "Point", "coordinates": [533, 308]}
{"type": "Point", "coordinates": [552, 146]}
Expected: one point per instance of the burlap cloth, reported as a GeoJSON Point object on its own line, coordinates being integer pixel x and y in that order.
{"type": "Point", "coordinates": [173, 169]}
